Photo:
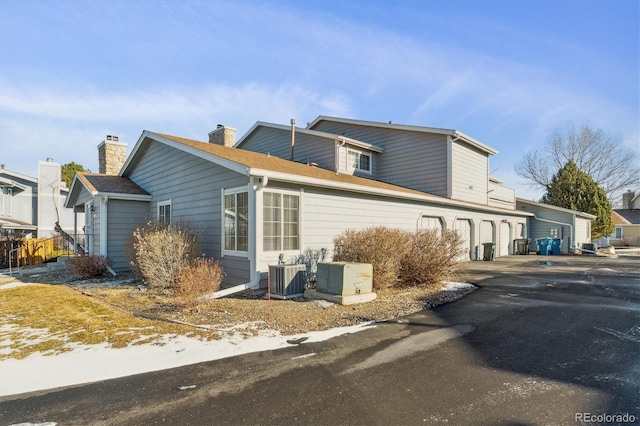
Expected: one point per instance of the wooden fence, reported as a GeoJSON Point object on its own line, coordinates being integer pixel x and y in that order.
{"type": "Point", "coordinates": [32, 251]}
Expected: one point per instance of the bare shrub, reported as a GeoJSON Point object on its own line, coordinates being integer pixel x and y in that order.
{"type": "Point", "coordinates": [199, 277]}
{"type": "Point", "coordinates": [432, 257]}
{"type": "Point", "coordinates": [383, 247]}
{"type": "Point", "coordinates": [162, 251]}
{"type": "Point", "coordinates": [90, 266]}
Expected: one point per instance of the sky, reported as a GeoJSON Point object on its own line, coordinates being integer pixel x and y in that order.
{"type": "Point", "coordinates": [507, 73]}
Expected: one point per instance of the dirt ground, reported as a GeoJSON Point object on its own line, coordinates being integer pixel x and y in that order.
{"type": "Point", "coordinates": [251, 311]}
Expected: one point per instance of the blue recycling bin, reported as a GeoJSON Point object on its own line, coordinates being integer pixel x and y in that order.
{"type": "Point", "coordinates": [556, 246]}
{"type": "Point", "coordinates": [544, 246]}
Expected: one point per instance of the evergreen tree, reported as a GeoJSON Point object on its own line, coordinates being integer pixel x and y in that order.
{"type": "Point", "coordinates": [573, 189]}
{"type": "Point", "coordinates": [69, 170]}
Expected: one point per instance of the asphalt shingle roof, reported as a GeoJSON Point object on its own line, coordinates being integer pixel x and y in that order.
{"type": "Point", "coordinates": [110, 184]}
{"type": "Point", "coordinates": [631, 216]}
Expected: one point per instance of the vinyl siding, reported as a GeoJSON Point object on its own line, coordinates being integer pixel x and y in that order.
{"type": "Point", "coordinates": [308, 148]}
{"type": "Point", "coordinates": [469, 174]}
{"type": "Point", "coordinates": [122, 218]}
{"type": "Point", "coordinates": [501, 196]}
{"type": "Point", "coordinates": [194, 187]}
{"type": "Point", "coordinates": [412, 159]}
{"type": "Point", "coordinates": [325, 214]}
{"type": "Point", "coordinates": [542, 229]}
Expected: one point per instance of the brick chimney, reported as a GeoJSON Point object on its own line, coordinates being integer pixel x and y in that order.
{"type": "Point", "coordinates": [111, 155]}
{"type": "Point", "coordinates": [222, 135]}
{"type": "Point", "coordinates": [627, 197]}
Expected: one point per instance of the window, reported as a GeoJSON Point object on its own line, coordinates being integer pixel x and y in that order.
{"type": "Point", "coordinates": [280, 222]}
{"type": "Point", "coordinates": [359, 161]}
{"type": "Point", "coordinates": [236, 221]}
{"type": "Point", "coordinates": [617, 233]}
{"type": "Point", "coordinates": [6, 193]}
{"type": "Point", "coordinates": [164, 212]}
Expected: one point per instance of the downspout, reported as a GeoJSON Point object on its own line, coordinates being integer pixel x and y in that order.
{"type": "Point", "coordinates": [103, 225]}
{"type": "Point", "coordinates": [450, 164]}
{"type": "Point", "coordinates": [293, 139]}
{"type": "Point", "coordinates": [341, 142]}
{"type": "Point", "coordinates": [253, 255]}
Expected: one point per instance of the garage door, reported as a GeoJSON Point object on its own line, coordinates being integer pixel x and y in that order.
{"type": "Point", "coordinates": [432, 222]}
{"type": "Point", "coordinates": [463, 226]}
{"type": "Point", "coordinates": [505, 241]}
{"type": "Point", "coordinates": [486, 232]}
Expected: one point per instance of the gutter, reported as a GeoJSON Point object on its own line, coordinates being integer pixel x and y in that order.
{"type": "Point", "coordinates": [572, 236]}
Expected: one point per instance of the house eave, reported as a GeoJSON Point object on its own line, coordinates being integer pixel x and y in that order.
{"type": "Point", "coordinates": [560, 209]}
{"type": "Point", "coordinates": [408, 127]}
{"type": "Point", "coordinates": [236, 167]}
{"type": "Point", "coordinates": [324, 183]}
{"type": "Point", "coordinates": [305, 131]}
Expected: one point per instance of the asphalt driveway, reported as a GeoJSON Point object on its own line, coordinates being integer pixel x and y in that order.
{"type": "Point", "coordinates": [545, 340]}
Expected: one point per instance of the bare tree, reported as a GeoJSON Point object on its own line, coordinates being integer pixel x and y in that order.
{"type": "Point", "coordinates": [601, 155]}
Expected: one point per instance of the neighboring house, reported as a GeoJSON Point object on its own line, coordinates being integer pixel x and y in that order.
{"type": "Point", "coordinates": [253, 204]}
{"type": "Point", "coordinates": [572, 227]}
{"type": "Point", "coordinates": [626, 221]}
{"type": "Point", "coordinates": [32, 206]}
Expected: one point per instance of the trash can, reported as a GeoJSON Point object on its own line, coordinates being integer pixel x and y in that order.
{"type": "Point", "coordinates": [556, 246]}
{"type": "Point", "coordinates": [544, 246]}
{"type": "Point", "coordinates": [488, 250]}
{"type": "Point", "coordinates": [521, 246]}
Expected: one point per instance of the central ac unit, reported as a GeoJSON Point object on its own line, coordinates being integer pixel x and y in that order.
{"type": "Point", "coordinates": [287, 281]}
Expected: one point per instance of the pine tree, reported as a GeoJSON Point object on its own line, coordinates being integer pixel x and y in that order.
{"type": "Point", "coordinates": [573, 189]}
{"type": "Point", "coordinates": [69, 170]}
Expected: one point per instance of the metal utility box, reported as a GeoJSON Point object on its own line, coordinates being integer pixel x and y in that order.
{"type": "Point", "coordinates": [287, 280]}
{"type": "Point", "coordinates": [344, 279]}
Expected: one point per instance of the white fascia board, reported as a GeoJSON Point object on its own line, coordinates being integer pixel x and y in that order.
{"type": "Point", "coordinates": [18, 175]}
{"type": "Point", "coordinates": [323, 183]}
{"type": "Point", "coordinates": [475, 143]}
{"type": "Point", "coordinates": [556, 208]}
{"type": "Point", "coordinates": [302, 130]}
{"type": "Point", "coordinates": [13, 183]}
{"type": "Point", "coordinates": [236, 167]}
{"type": "Point", "coordinates": [73, 189]}
{"type": "Point", "coordinates": [421, 129]}
{"type": "Point", "coordinates": [130, 197]}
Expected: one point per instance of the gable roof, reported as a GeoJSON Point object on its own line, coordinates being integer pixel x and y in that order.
{"type": "Point", "coordinates": [105, 185]}
{"type": "Point", "coordinates": [626, 216]}
{"type": "Point", "coordinates": [255, 164]}
{"type": "Point", "coordinates": [324, 135]}
{"type": "Point", "coordinates": [556, 208]}
{"type": "Point", "coordinates": [406, 127]}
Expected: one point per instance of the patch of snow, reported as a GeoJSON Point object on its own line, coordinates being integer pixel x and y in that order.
{"type": "Point", "coordinates": [14, 284]}
{"type": "Point", "coordinates": [455, 286]}
{"type": "Point", "coordinates": [90, 363]}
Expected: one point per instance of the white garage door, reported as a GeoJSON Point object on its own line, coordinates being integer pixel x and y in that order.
{"type": "Point", "coordinates": [486, 232]}
{"type": "Point", "coordinates": [463, 226]}
{"type": "Point", "coordinates": [430, 222]}
{"type": "Point", "coordinates": [505, 241]}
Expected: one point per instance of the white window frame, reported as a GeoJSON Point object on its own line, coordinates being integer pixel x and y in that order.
{"type": "Point", "coordinates": [162, 219]}
{"type": "Point", "coordinates": [615, 232]}
{"type": "Point", "coordinates": [6, 195]}
{"type": "Point", "coordinates": [235, 192]}
{"type": "Point", "coordinates": [281, 237]}
{"type": "Point", "coordinates": [359, 155]}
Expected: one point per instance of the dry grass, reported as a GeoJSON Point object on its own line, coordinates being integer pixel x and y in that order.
{"type": "Point", "coordinates": [51, 319]}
